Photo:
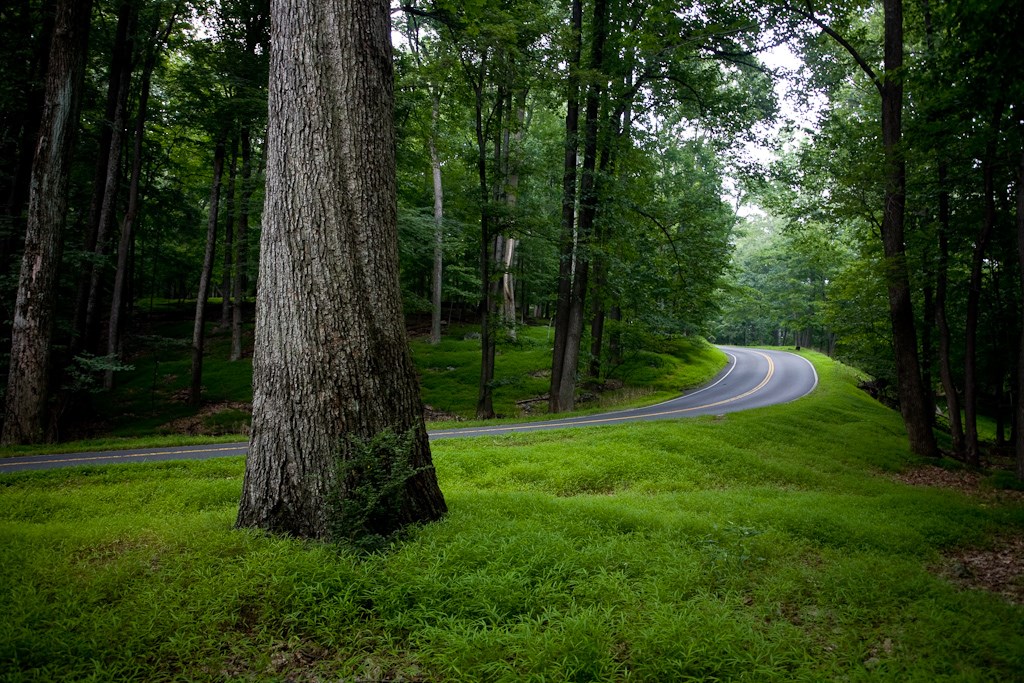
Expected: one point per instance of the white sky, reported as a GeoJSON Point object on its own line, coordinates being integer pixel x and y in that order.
{"type": "Point", "coordinates": [788, 90]}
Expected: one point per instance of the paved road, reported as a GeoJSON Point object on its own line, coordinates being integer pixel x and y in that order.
{"type": "Point", "coordinates": [753, 378]}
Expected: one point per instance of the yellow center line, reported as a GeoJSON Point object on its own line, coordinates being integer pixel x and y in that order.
{"type": "Point", "coordinates": [576, 423]}
{"type": "Point", "coordinates": [98, 456]}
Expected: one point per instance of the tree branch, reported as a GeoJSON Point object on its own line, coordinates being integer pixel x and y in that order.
{"type": "Point", "coordinates": [810, 15]}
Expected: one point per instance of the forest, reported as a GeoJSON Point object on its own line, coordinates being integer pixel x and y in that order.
{"type": "Point", "coordinates": [619, 171]}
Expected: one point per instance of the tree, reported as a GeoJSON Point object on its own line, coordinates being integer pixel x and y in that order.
{"type": "Point", "coordinates": [127, 238]}
{"type": "Point", "coordinates": [205, 275]}
{"type": "Point", "coordinates": [419, 51]}
{"type": "Point", "coordinates": [27, 384]}
{"type": "Point", "coordinates": [913, 394]}
{"type": "Point", "coordinates": [107, 178]}
{"type": "Point", "coordinates": [332, 368]}
{"type": "Point", "coordinates": [1019, 435]}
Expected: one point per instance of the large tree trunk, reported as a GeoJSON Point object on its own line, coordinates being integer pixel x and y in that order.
{"type": "Point", "coordinates": [913, 401]}
{"type": "Point", "coordinates": [331, 362]}
{"type": "Point", "coordinates": [567, 234]}
{"type": "Point", "coordinates": [18, 149]}
{"type": "Point", "coordinates": [23, 123]}
{"type": "Point", "coordinates": [199, 327]}
{"type": "Point", "coordinates": [28, 378]}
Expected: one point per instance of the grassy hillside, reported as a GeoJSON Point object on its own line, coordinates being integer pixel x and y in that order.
{"type": "Point", "coordinates": [450, 372]}
{"type": "Point", "coordinates": [768, 545]}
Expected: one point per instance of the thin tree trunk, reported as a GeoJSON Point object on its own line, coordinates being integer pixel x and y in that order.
{"type": "Point", "coordinates": [588, 211]}
{"type": "Point", "coordinates": [599, 290]}
{"type": "Point", "coordinates": [912, 392]}
{"type": "Point", "coordinates": [332, 364]}
{"type": "Point", "coordinates": [1018, 430]}
{"type": "Point", "coordinates": [567, 234]}
{"type": "Point", "coordinates": [241, 247]}
{"type": "Point", "coordinates": [513, 145]}
{"type": "Point", "coordinates": [435, 168]}
{"type": "Point", "coordinates": [941, 287]}
{"type": "Point", "coordinates": [927, 341]}
{"type": "Point", "coordinates": [127, 241]}
{"type": "Point", "coordinates": [615, 338]}
{"type": "Point", "coordinates": [108, 172]}
{"type": "Point", "coordinates": [229, 238]}
{"type": "Point", "coordinates": [913, 402]}
{"type": "Point", "coordinates": [485, 401]}
{"type": "Point", "coordinates": [974, 296]}
{"type": "Point", "coordinates": [28, 377]}
{"type": "Point", "coordinates": [108, 206]}
{"type": "Point", "coordinates": [199, 329]}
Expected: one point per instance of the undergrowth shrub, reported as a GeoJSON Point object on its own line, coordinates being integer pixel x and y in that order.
{"type": "Point", "coordinates": [365, 501]}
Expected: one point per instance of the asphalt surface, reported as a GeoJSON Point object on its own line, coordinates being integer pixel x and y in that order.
{"type": "Point", "coordinates": [753, 378]}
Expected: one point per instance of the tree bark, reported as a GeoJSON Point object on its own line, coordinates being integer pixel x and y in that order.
{"type": "Point", "coordinates": [199, 328]}
{"type": "Point", "coordinates": [331, 360]}
{"type": "Point", "coordinates": [28, 378]}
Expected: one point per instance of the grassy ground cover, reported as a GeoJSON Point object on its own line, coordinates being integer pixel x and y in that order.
{"type": "Point", "coordinates": [767, 545]}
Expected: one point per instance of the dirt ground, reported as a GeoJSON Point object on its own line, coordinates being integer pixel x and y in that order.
{"type": "Point", "coordinates": [998, 568]}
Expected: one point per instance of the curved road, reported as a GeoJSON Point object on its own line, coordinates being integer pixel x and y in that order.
{"type": "Point", "coordinates": [753, 378]}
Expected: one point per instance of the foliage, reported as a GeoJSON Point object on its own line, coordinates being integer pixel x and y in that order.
{"type": "Point", "coordinates": [769, 545]}
{"type": "Point", "coordinates": [783, 285]}
{"type": "Point", "coordinates": [368, 489]}
{"type": "Point", "coordinates": [86, 371]}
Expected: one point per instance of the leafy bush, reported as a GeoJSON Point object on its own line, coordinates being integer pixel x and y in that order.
{"type": "Point", "coordinates": [366, 499]}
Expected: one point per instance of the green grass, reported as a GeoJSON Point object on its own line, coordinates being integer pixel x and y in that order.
{"type": "Point", "coordinates": [765, 545]}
